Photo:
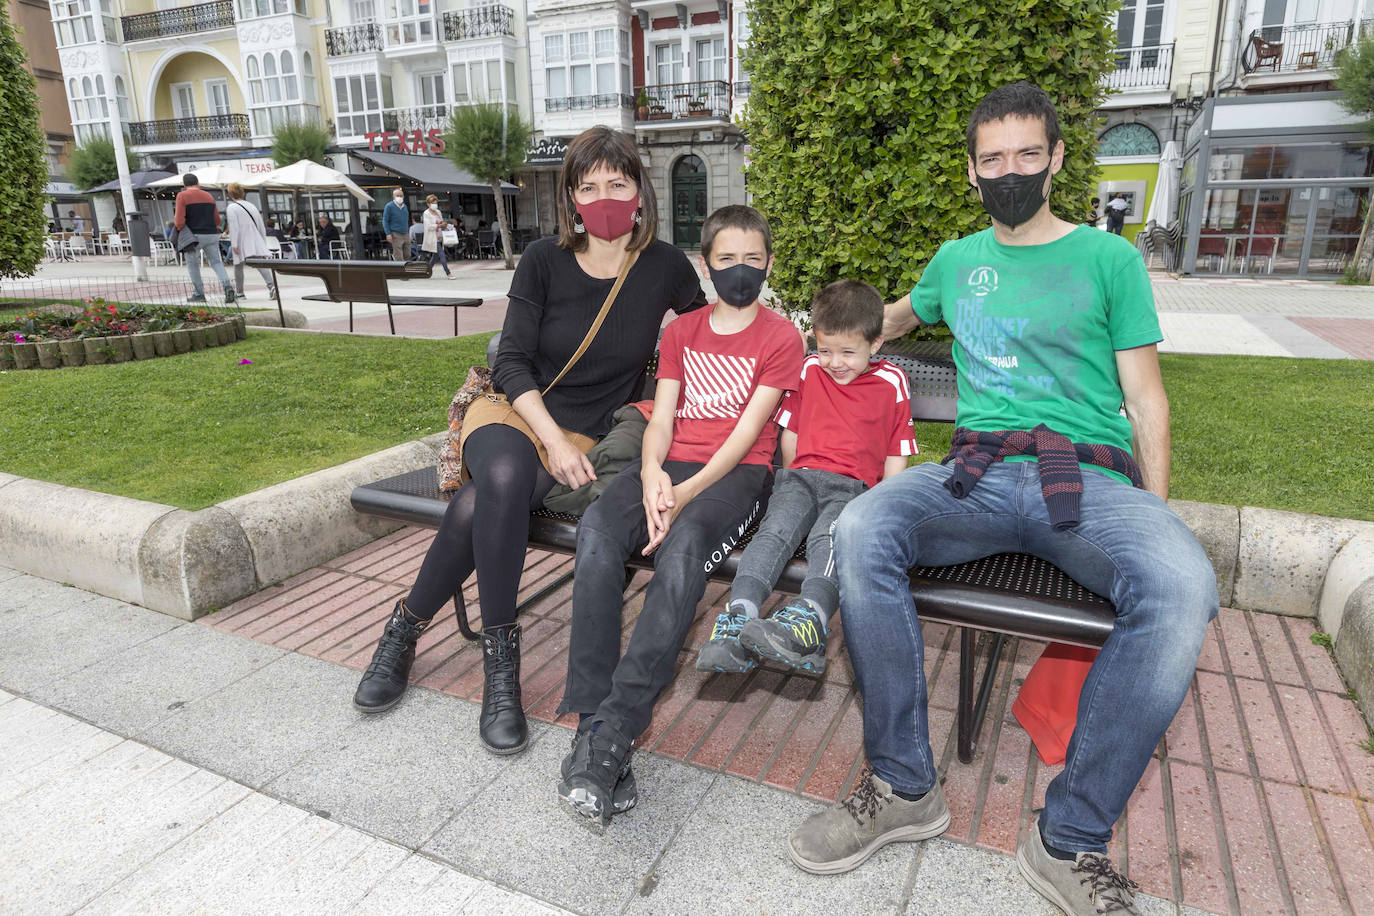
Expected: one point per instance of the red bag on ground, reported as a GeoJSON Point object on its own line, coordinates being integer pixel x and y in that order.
{"type": "Point", "coordinates": [1047, 704]}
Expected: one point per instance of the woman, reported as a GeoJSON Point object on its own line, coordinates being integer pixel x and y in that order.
{"type": "Point", "coordinates": [606, 212]}
{"type": "Point", "coordinates": [326, 237]}
{"type": "Point", "coordinates": [247, 237]}
{"type": "Point", "coordinates": [433, 243]}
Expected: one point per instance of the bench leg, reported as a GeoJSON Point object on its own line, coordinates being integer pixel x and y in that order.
{"type": "Point", "coordinates": [455, 321]}
{"type": "Point", "coordinates": [971, 713]}
{"type": "Point", "coordinates": [350, 317]}
{"type": "Point", "coordinates": [460, 605]}
{"type": "Point", "coordinates": [391, 318]}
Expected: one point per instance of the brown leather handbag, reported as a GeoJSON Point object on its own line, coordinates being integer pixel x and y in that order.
{"type": "Point", "coordinates": [477, 405]}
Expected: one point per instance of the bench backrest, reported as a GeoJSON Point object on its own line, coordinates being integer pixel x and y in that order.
{"type": "Point", "coordinates": [928, 367]}
{"type": "Point", "coordinates": [348, 281]}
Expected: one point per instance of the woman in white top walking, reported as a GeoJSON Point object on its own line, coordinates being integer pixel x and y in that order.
{"type": "Point", "coordinates": [247, 237]}
{"type": "Point", "coordinates": [433, 244]}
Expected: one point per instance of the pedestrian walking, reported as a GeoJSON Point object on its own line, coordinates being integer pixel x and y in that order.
{"type": "Point", "coordinates": [196, 210]}
{"type": "Point", "coordinates": [396, 225]}
{"type": "Point", "coordinates": [247, 237]}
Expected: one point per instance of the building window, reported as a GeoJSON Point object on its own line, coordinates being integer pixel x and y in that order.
{"type": "Point", "coordinates": [90, 106]}
{"type": "Point", "coordinates": [668, 64]}
{"type": "Point", "coordinates": [122, 98]}
{"type": "Point", "coordinates": [217, 96]}
{"type": "Point", "coordinates": [359, 101]}
{"type": "Point", "coordinates": [278, 92]}
{"type": "Point", "coordinates": [363, 11]}
{"type": "Point", "coordinates": [1128, 140]}
{"type": "Point", "coordinates": [252, 9]}
{"type": "Point", "coordinates": [595, 68]}
{"type": "Point", "coordinates": [75, 21]}
{"type": "Point", "coordinates": [478, 81]}
{"type": "Point", "coordinates": [712, 64]}
{"type": "Point", "coordinates": [410, 22]}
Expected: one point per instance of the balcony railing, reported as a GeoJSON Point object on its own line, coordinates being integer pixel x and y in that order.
{"type": "Point", "coordinates": [687, 101]}
{"type": "Point", "coordinates": [424, 119]}
{"type": "Point", "coordinates": [1296, 48]}
{"type": "Point", "coordinates": [1143, 68]}
{"type": "Point", "coordinates": [189, 130]}
{"type": "Point", "coordinates": [353, 39]}
{"type": "Point", "coordinates": [203, 17]}
{"type": "Point", "coordinates": [742, 89]}
{"type": "Point", "coordinates": [480, 22]}
{"type": "Point", "coordinates": [586, 102]}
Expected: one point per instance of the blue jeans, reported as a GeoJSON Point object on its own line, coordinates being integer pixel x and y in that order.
{"type": "Point", "coordinates": [209, 243]}
{"type": "Point", "coordinates": [1128, 547]}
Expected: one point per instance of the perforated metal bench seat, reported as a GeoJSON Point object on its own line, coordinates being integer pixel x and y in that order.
{"type": "Point", "coordinates": [1015, 594]}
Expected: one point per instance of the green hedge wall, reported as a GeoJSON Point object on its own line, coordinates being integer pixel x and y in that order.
{"type": "Point", "coordinates": [23, 204]}
{"type": "Point", "coordinates": [856, 124]}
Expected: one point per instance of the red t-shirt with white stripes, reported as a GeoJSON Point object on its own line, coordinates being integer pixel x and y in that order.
{"type": "Point", "coordinates": [849, 429]}
{"type": "Point", "coordinates": [720, 373]}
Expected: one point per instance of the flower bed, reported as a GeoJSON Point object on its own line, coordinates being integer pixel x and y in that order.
{"type": "Point", "coordinates": [102, 332]}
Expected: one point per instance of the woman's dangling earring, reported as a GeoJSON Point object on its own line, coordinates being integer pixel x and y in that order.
{"type": "Point", "coordinates": [578, 225]}
{"type": "Point", "coordinates": [639, 216]}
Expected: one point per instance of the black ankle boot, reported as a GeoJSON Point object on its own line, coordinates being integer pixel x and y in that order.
{"type": "Point", "coordinates": [387, 676]}
{"type": "Point", "coordinates": [502, 725]}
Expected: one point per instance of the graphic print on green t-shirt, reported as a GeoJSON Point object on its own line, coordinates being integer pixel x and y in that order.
{"type": "Point", "coordinates": [1036, 328]}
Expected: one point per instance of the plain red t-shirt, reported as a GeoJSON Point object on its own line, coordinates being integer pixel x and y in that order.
{"type": "Point", "coordinates": [719, 373]}
{"type": "Point", "coordinates": [849, 429]}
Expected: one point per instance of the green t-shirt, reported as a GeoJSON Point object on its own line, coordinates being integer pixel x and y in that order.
{"type": "Point", "coordinates": [1036, 328]}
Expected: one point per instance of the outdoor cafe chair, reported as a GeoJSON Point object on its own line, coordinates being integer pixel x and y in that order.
{"type": "Point", "coordinates": [274, 248]}
{"type": "Point", "coordinates": [114, 244]}
{"type": "Point", "coordinates": [486, 242]}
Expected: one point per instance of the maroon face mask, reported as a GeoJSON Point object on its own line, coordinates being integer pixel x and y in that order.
{"type": "Point", "coordinates": [609, 218]}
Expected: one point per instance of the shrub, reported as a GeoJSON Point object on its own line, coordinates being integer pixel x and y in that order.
{"type": "Point", "coordinates": [22, 205]}
{"type": "Point", "coordinates": [857, 116]}
{"type": "Point", "coordinates": [93, 163]}
{"type": "Point", "coordinates": [297, 140]}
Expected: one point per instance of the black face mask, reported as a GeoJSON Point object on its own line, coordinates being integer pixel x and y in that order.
{"type": "Point", "coordinates": [1011, 199]}
{"type": "Point", "coordinates": [739, 285]}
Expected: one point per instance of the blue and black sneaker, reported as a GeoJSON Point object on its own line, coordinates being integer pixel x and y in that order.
{"type": "Point", "coordinates": [794, 635]}
{"type": "Point", "coordinates": [722, 651]}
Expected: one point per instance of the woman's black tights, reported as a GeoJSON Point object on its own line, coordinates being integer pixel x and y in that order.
{"type": "Point", "coordinates": [507, 483]}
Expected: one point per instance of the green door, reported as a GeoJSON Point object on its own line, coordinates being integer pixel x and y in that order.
{"type": "Point", "coordinates": [689, 201]}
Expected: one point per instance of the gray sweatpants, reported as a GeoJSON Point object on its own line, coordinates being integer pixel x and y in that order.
{"type": "Point", "coordinates": [804, 504]}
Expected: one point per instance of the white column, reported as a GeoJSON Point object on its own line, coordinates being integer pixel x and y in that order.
{"type": "Point", "coordinates": [126, 187]}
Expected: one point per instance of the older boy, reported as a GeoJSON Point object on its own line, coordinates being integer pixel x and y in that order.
{"type": "Point", "coordinates": [847, 426]}
{"type": "Point", "coordinates": [702, 480]}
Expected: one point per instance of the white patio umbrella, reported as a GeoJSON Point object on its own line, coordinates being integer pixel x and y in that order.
{"type": "Point", "coordinates": [212, 176]}
{"type": "Point", "coordinates": [312, 177]}
{"type": "Point", "coordinates": [1166, 187]}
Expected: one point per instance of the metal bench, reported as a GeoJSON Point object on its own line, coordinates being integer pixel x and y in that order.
{"type": "Point", "coordinates": [1004, 595]}
{"type": "Point", "coordinates": [362, 281]}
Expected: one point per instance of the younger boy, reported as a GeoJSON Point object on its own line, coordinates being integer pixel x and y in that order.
{"type": "Point", "coordinates": [701, 480]}
{"type": "Point", "coordinates": [846, 426]}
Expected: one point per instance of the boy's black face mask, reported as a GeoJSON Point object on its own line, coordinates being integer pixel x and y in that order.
{"type": "Point", "coordinates": [1011, 199]}
{"type": "Point", "coordinates": [739, 285]}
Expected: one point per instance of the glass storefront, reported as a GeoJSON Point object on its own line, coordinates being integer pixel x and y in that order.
{"type": "Point", "coordinates": [1270, 230]}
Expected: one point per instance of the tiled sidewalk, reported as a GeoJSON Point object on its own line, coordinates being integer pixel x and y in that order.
{"type": "Point", "coordinates": [1259, 799]}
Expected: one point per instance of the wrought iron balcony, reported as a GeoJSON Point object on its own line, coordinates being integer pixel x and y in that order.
{"type": "Point", "coordinates": [586, 102]}
{"type": "Point", "coordinates": [189, 130]}
{"type": "Point", "coordinates": [353, 39]}
{"type": "Point", "coordinates": [686, 101]}
{"type": "Point", "coordinates": [184, 20]}
{"type": "Point", "coordinates": [424, 118]}
{"type": "Point", "coordinates": [742, 89]}
{"type": "Point", "coordinates": [1142, 69]}
{"type": "Point", "coordinates": [1296, 48]}
{"type": "Point", "coordinates": [479, 22]}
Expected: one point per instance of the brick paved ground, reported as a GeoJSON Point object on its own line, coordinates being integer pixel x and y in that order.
{"type": "Point", "coordinates": [1259, 798]}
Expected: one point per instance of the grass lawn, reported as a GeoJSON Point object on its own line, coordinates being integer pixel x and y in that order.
{"type": "Point", "coordinates": [1294, 434]}
{"type": "Point", "coordinates": [193, 430]}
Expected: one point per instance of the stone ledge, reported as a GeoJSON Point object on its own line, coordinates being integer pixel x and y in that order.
{"type": "Point", "coordinates": [270, 319]}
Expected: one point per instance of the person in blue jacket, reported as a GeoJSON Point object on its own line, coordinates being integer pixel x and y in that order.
{"type": "Point", "coordinates": [396, 225]}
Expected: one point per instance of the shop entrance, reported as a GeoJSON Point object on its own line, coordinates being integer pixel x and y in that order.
{"type": "Point", "coordinates": [689, 201]}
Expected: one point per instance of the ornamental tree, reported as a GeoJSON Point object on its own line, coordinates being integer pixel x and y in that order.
{"type": "Point", "coordinates": [93, 163]}
{"type": "Point", "coordinates": [857, 116]}
{"type": "Point", "coordinates": [490, 142]}
{"type": "Point", "coordinates": [22, 219]}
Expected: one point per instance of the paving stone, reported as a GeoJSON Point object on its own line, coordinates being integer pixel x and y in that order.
{"type": "Point", "coordinates": [703, 869]}
{"type": "Point", "coordinates": [427, 744]}
{"type": "Point", "coordinates": [1204, 884]}
{"type": "Point", "coordinates": [954, 879]}
{"type": "Point", "coordinates": [520, 811]}
{"type": "Point", "coordinates": [23, 594]}
{"type": "Point", "coordinates": [396, 893]}
{"type": "Point", "coordinates": [1257, 883]}
{"type": "Point", "coordinates": [1309, 876]}
{"type": "Point", "coordinates": [497, 901]}
{"type": "Point", "coordinates": [257, 728]}
{"type": "Point", "coordinates": [130, 691]}
{"type": "Point", "coordinates": [66, 637]}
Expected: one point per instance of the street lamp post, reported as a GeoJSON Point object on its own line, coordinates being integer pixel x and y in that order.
{"type": "Point", "coordinates": [126, 187]}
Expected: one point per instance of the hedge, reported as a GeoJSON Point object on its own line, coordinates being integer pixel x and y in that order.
{"type": "Point", "coordinates": [23, 205]}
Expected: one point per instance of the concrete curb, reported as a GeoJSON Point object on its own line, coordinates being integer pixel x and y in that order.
{"type": "Point", "coordinates": [270, 319]}
{"type": "Point", "coordinates": [186, 564]}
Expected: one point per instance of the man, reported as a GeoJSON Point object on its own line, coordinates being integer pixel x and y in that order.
{"type": "Point", "coordinates": [78, 222]}
{"type": "Point", "coordinates": [396, 225]}
{"type": "Point", "coordinates": [327, 235]}
{"type": "Point", "coordinates": [1116, 213]}
{"type": "Point", "coordinates": [195, 208]}
{"type": "Point", "coordinates": [1056, 329]}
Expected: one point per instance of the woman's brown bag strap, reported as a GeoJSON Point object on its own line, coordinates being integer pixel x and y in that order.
{"type": "Point", "coordinates": [600, 317]}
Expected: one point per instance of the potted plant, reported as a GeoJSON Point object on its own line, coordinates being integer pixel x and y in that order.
{"type": "Point", "coordinates": [642, 105]}
{"type": "Point", "coordinates": [697, 105]}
